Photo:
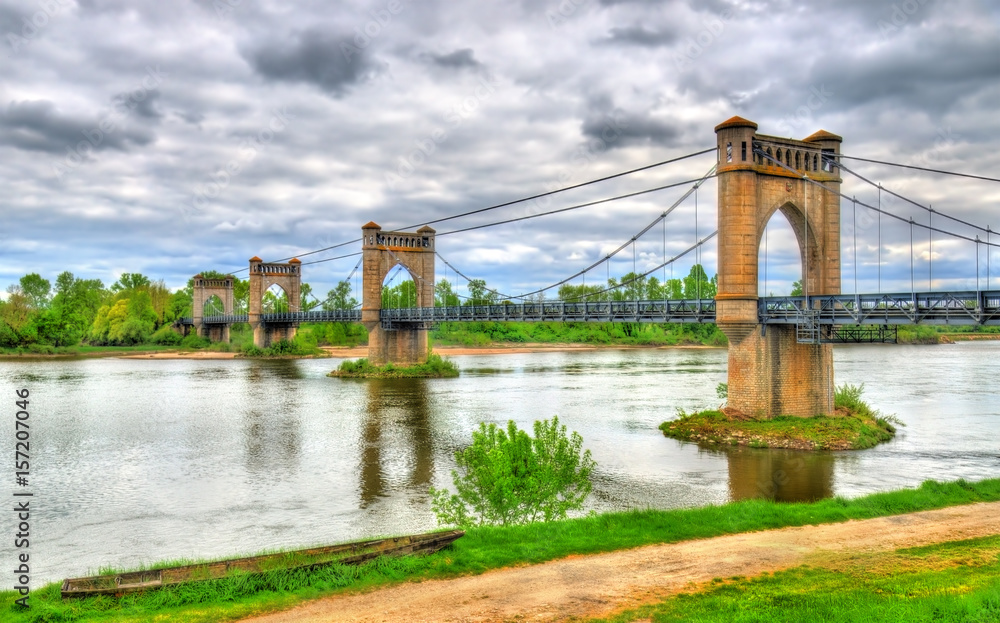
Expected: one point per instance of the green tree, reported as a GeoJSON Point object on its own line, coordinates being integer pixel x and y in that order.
{"type": "Point", "coordinates": [509, 477]}
{"type": "Point", "coordinates": [16, 319]}
{"type": "Point", "coordinates": [444, 295]}
{"type": "Point", "coordinates": [571, 293]}
{"type": "Point", "coordinates": [36, 290]}
{"type": "Point", "coordinates": [479, 294]}
{"type": "Point", "coordinates": [796, 288]}
{"type": "Point", "coordinates": [401, 295]}
{"type": "Point", "coordinates": [129, 282]}
{"type": "Point", "coordinates": [307, 302]}
{"type": "Point", "coordinates": [340, 297]}
{"type": "Point", "coordinates": [274, 303]}
{"type": "Point", "coordinates": [697, 285]}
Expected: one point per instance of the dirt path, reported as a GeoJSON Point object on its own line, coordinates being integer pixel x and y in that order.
{"type": "Point", "coordinates": [598, 585]}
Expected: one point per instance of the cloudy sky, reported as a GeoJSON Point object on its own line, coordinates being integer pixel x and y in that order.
{"type": "Point", "coordinates": [173, 137]}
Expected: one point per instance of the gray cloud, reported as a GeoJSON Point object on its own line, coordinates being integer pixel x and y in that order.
{"type": "Point", "coordinates": [39, 126]}
{"type": "Point", "coordinates": [333, 63]}
{"type": "Point", "coordinates": [145, 108]}
{"type": "Point", "coordinates": [358, 106]}
{"type": "Point", "coordinates": [641, 36]}
{"type": "Point", "coordinates": [459, 59]}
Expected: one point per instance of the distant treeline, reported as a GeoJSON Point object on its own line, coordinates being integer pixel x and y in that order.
{"type": "Point", "coordinates": [135, 310]}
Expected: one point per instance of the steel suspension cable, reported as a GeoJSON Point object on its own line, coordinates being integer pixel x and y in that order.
{"type": "Point", "coordinates": [560, 190]}
{"type": "Point", "coordinates": [910, 166]}
{"type": "Point", "coordinates": [574, 207]}
{"type": "Point", "coordinates": [510, 203]}
{"type": "Point", "coordinates": [655, 268]}
{"type": "Point", "coordinates": [899, 196]}
{"type": "Point", "coordinates": [607, 258]}
{"type": "Point", "coordinates": [467, 278]}
{"type": "Point", "coordinates": [842, 195]}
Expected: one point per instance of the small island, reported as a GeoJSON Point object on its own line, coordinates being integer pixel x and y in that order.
{"type": "Point", "coordinates": [853, 426]}
{"type": "Point", "coordinates": [436, 367]}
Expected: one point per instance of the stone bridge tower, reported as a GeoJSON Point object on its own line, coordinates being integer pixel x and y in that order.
{"type": "Point", "coordinates": [381, 251]}
{"type": "Point", "coordinates": [205, 289]}
{"type": "Point", "coordinates": [770, 371]}
{"type": "Point", "coordinates": [263, 276]}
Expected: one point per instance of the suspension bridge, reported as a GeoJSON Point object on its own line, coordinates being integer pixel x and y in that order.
{"type": "Point", "coordinates": [780, 347]}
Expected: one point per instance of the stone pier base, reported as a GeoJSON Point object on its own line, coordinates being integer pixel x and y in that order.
{"type": "Point", "coordinates": [405, 347]}
{"type": "Point", "coordinates": [771, 374]}
{"type": "Point", "coordinates": [265, 335]}
{"type": "Point", "coordinates": [215, 332]}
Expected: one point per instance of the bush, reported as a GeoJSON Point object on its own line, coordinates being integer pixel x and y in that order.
{"type": "Point", "coordinates": [511, 478]}
{"type": "Point", "coordinates": [194, 341]}
{"type": "Point", "coordinates": [166, 336]}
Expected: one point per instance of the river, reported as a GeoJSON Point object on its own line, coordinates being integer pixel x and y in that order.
{"type": "Point", "coordinates": [137, 461]}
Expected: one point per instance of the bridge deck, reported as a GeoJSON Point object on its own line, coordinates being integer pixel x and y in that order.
{"type": "Point", "coordinates": [935, 308]}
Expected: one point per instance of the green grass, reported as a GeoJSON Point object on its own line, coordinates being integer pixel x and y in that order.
{"type": "Point", "coordinates": [955, 581]}
{"type": "Point", "coordinates": [856, 426]}
{"type": "Point", "coordinates": [483, 549]}
{"type": "Point", "coordinates": [436, 367]}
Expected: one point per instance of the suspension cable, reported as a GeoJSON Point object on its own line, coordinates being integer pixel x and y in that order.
{"type": "Point", "coordinates": [899, 196]}
{"type": "Point", "coordinates": [575, 207]}
{"type": "Point", "coordinates": [607, 258]}
{"type": "Point", "coordinates": [509, 203]}
{"type": "Point", "coordinates": [910, 166]}
{"type": "Point", "coordinates": [842, 195]}
{"type": "Point", "coordinates": [655, 268]}
{"type": "Point", "coordinates": [560, 190]}
{"type": "Point", "coordinates": [467, 278]}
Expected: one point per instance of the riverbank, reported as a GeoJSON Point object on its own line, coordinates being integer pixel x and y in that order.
{"type": "Point", "coordinates": [854, 425]}
{"type": "Point", "coordinates": [434, 368]}
{"type": "Point", "coordinates": [347, 352]}
{"type": "Point", "coordinates": [338, 352]}
{"type": "Point", "coordinates": [483, 549]}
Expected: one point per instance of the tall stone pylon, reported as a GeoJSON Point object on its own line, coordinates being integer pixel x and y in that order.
{"type": "Point", "coordinates": [770, 372]}
{"type": "Point", "coordinates": [402, 343]}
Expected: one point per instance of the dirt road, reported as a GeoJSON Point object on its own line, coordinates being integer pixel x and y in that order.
{"type": "Point", "coordinates": [598, 585]}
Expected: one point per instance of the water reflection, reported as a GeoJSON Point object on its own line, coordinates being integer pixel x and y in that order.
{"type": "Point", "coordinates": [272, 441]}
{"type": "Point", "coordinates": [780, 475]}
{"type": "Point", "coordinates": [272, 436]}
{"type": "Point", "coordinates": [397, 425]}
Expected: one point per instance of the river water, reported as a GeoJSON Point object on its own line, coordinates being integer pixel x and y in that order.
{"type": "Point", "coordinates": [138, 461]}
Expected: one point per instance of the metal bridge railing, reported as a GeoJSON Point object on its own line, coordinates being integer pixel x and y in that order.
{"type": "Point", "coordinates": [561, 311]}
{"type": "Point", "coordinates": [955, 308]}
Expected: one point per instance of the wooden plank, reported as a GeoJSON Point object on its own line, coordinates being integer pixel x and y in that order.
{"type": "Point", "coordinates": [313, 558]}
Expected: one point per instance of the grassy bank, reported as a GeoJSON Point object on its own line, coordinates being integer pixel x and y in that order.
{"type": "Point", "coordinates": [483, 549]}
{"type": "Point", "coordinates": [854, 426]}
{"type": "Point", "coordinates": [436, 367]}
{"type": "Point", "coordinates": [955, 581]}
{"type": "Point", "coordinates": [597, 333]}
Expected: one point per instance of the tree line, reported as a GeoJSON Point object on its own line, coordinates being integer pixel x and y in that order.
{"type": "Point", "coordinates": [138, 310]}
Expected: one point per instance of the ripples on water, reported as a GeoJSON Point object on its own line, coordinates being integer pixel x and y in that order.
{"type": "Point", "coordinates": [136, 461]}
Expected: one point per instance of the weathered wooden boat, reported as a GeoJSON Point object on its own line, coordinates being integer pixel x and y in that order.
{"type": "Point", "coordinates": [345, 554]}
